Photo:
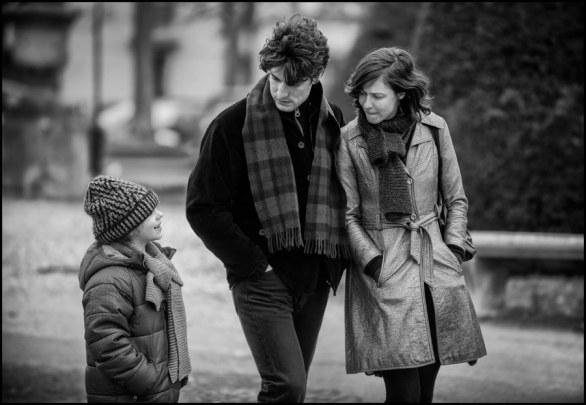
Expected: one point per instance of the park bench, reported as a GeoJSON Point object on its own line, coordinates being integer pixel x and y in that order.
{"type": "Point", "coordinates": [487, 278]}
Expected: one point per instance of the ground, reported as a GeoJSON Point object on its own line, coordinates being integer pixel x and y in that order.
{"type": "Point", "coordinates": [43, 353]}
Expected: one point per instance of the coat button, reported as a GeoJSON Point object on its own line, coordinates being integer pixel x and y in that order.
{"type": "Point", "coordinates": [409, 181]}
{"type": "Point", "coordinates": [308, 177]}
{"type": "Point", "coordinates": [413, 217]}
{"type": "Point", "coordinates": [301, 145]}
{"type": "Point", "coordinates": [261, 232]}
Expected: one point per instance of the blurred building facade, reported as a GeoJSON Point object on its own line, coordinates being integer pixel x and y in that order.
{"type": "Point", "coordinates": [202, 55]}
{"type": "Point", "coordinates": [190, 48]}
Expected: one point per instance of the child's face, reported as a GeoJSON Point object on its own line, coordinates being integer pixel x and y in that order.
{"type": "Point", "coordinates": [151, 228]}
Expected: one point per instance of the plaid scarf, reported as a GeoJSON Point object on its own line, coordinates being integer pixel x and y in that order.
{"type": "Point", "coordinates": [163, 282]}
{"type": "Point", "coordinates": [272, 181]}
{"type": "Point", "coordinates": [386, 149]}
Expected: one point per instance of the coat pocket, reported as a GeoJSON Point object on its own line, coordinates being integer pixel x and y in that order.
{"type": "Point", "coordinates": [444, 256]}
{"type": "Point", "coordinates": [396, 253]}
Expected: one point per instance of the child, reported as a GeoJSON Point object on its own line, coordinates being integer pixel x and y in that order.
{"type": "Point", "coordinates": [135, 328]}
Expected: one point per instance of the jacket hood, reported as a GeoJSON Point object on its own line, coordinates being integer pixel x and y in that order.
{"type": "Point", "coordinates": [99, 256]}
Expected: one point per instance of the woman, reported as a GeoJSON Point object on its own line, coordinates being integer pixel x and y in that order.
{"type": "Point", "coordinates": [407, 307]}
{"type": "Point", "coordinates": [134, 317]}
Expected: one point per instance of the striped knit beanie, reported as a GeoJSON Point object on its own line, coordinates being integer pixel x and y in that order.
{"type": "Point", "coordinates": [117, 206]}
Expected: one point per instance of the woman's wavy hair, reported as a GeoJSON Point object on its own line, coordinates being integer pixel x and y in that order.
{"type": "Point", "coordinates": [397, 67]}
{"type": "Point", "coordinates": [299, 47]}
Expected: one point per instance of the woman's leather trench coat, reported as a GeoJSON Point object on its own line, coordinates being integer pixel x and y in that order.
{"type": "Point", "coordinates": [385, 321]}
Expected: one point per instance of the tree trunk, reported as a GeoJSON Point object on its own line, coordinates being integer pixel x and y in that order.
{"type": "Point", "coordinates": [143, 58]}
{"type": "Point", "coordinates": [238, 29]}
{"type": "Point", "coordinates": [245, 42]}
{"type": "Point", "coordinates": [420, 21]}
{"type": "Point", "coordinates": [230, 32]}
{"type": "Point", "coordinates": [96, 134]}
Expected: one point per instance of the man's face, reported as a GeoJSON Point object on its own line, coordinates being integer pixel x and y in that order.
{"type": "Point", "coordinates": [287, 98]}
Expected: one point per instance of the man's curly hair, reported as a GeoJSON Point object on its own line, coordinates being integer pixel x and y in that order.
{"type": "Point", "coordinates": [299, 47]}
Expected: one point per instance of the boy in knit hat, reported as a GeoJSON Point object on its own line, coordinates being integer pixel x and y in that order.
{"type": "Point", "coordinates": [134, 317]}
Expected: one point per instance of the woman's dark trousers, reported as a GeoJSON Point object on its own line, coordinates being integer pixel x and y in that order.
{"type": "Point", "coordinates": [415, 384]}
{"type": "Point", "coordinates": [281, 328]}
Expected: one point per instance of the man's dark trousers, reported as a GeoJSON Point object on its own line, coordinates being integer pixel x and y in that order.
{"type": "Point", "coordinates": [281, 328]}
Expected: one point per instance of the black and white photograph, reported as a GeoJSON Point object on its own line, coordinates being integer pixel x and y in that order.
{"type": "Point", "coordinates": [321, 202]}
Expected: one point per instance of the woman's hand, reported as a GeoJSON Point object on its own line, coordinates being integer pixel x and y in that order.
{"type": "Point", "coordinates": [373, 268]}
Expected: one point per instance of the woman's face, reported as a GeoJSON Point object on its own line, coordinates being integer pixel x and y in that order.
{"type": "Point", "coordinates": [149, 230]}
{"type": "Point", "coordinates": [379, 101]}
{"type": "Point", "coordinates": [287, 98]}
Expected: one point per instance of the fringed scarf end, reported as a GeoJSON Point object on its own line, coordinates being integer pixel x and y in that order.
{"type": "Point", "coordinates": [285, 240]}
{"type": "Point", "coordinates": [333, 250]}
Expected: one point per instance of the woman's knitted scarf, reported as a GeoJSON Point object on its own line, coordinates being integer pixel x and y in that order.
{"type": "Point", "coordinates": [272, 181]}
{"type": "Point", "coordinates": [164, 283]}
{"type": "Point", "coordinates": [386, 149]}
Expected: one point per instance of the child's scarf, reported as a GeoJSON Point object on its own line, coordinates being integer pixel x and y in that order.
{"type": "Point", "coordinates": [163, 282]}
{"type": "Point", "coordinates": [272, 181]}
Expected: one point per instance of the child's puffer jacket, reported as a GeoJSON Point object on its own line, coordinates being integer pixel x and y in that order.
{"type": "Point", "coordinates": [126, 337]}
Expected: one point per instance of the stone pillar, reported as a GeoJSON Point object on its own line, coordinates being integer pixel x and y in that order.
{"type": "Point", "coordinates": [487, 282]}
{"type": "Point", "coordinates": [44, 143]}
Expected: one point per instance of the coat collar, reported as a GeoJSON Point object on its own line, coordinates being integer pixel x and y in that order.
{"type": "Point", "coordinates": [421, 134]}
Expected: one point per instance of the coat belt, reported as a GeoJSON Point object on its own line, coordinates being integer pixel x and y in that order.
{"type": "Point", "coordinates": [421, 247]}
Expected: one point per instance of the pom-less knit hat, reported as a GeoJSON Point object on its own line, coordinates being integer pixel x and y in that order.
{"type": "Point", "coordinates": [117, 206]}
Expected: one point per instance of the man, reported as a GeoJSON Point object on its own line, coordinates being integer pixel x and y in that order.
{"type": "Point", "coordinates": [265, 199]}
